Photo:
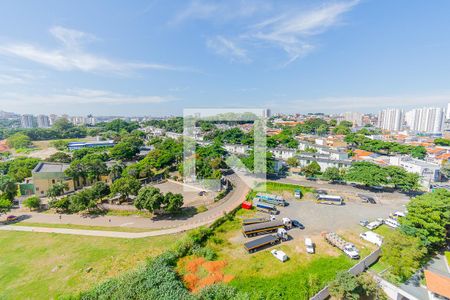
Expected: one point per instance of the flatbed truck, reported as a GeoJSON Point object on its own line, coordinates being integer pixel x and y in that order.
{"type": "Point", "coordinates": [257, 220]}
{"type": "Point", "coordinates": [272, 240]}
{"type": "Point", "coordinates": [265, 207]}
{"type": "Point", "coordinates": [266, 227]}
{"type": "Point", "coordinates": [348, 248]}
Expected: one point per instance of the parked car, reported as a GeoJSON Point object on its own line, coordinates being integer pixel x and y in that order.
{"type": "Point", "coordinates": [297, 224]}
{"type": "Point", "coordinates": [367, 198]}
{"type": "Point", "coordinates": [363, 223]}
{"type": "Point", "coordinates": [11, 218]}
{"type": "Point", "coordinates": [398, 214]}
{"type": "Point", "coordinates": [311, 178]}
{"type": "Point", "coordinates": [321, 192]}
{"type": "Point", "coordinates": [373, 225]}
{"type": "Point", "coordinates": [309, 246]}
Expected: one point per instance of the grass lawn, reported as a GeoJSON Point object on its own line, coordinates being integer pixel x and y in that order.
{"type": "Point", "coordinates": [45, 266]}
{"type": "Point", "coordinates": [264, 277]}
{"type": "Point", "coordinates": [87, 227]}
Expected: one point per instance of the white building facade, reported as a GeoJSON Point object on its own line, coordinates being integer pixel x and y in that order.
{"type": "Point", "coordinates": [426, 119]}
{"type": "Point", "coordinates": [390, 119]}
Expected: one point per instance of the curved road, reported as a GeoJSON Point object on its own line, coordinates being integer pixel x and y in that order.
{"type": "Point", "coordinates": [157, 227]}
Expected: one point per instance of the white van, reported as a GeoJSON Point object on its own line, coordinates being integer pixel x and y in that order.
{"type": "Point", "coordinates": [309, 246]}
{"type": "Point", "coordinates": [391, 223]}
{"type": "Point", "coordinates": [280, 255]}
{"type": "Point", "coordinates": [373, 225]}
{"type": "Point", "coordinates": [372, 237]}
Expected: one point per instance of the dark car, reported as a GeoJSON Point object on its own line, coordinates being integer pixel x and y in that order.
{"type": "Point", "coordinates": [11, 218]}
{"type": "Point", "coordinates": [367, 199]}
{"type": "Point", "coordinates": [321, 192]}
{"type": "Point", "coordinates": [297, 224]}
{"type": "Point", "coordinates": [311, 178]}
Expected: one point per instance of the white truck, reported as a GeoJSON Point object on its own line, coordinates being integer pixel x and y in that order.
{"type": "Point", "coordinates": [309, 246]}
{"type": "Point", "coordinates": [372, 237]}
{"type": "Point", "coordinates": [348, 248]}
{"type": "Point", "coordinates": [280, 255]}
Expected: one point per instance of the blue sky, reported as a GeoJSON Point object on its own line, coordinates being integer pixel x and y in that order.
{"type": "Point", "coordinates": [159, 57]}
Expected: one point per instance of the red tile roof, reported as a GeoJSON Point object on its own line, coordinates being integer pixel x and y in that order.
{"type": "Point", "coordinates": [438, 284]}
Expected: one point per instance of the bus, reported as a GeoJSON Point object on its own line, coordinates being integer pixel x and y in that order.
{"type": "Point", "coordinates": [329, 199]}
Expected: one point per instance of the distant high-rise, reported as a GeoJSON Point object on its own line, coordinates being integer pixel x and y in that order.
{"type": "Point", "coordinates": [27, 121]}
{"type": "Point", "coordinates": [426, 119]}
{"type": "Point", "coordinates": [43, 121]}
{"type": "Point", "coordinates": [354, 117]}
{"type": "Point", "coordinates": [390, 119]}
{"type": "Point", "coordinates": [53, 119]}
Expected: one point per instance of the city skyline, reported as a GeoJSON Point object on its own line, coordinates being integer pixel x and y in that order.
{"type": "Point", "coordinates": [293, 57]}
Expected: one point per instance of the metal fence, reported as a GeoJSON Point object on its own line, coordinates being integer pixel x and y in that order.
{"type": "Point", "coordinates": [355, 270]}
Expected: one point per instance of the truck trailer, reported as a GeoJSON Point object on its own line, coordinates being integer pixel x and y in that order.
{"type": "Point", "coordinates": [273, 239]}
{"type": "Point", "coordinates": [257, 220]}
{"type": "Point", "coordinates": [266, 227]}
{"type": "Point", "coordinates": [348, 248]}
{"type": "Point", "coordinates": [265, 207]}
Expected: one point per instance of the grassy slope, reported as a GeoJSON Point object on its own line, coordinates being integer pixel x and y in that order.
{"type": "Point", "coordinates": [447, 255]}
{"type": "Point", "coordinates": [27, 261]}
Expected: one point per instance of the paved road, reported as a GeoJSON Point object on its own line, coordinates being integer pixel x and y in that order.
{"type": "Point", "coordinates": [159, 227]}
{"type": "Point", "coordinates": [339, 188]}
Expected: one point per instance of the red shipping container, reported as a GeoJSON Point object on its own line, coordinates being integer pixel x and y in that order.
{"type": "Point", "coordinates": [246, 205]}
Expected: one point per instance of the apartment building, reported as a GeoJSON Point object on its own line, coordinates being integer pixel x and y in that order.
{"type": "Point", "coordinates": [390, 119]}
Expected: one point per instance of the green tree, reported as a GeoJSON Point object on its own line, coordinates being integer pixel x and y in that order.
{"type": "Point", "coordinates": [57, 189]}
{"type": "Point", "coordinates": [403, 253]}
{"type": "Point", "coordinates": [60, 157]}
{"type": "Point", "coordinates": [125, 187]}
{"type": "Point", "coordinates": [345, 286]}
{"type": "Point", "coordinates": [366, 173]}
{"type": "Point", "coordinates": [32, 202]}
{"type": "Point", "coordinates": [292, 161]}
{"type": "Point", "coordinates": [333, 174]}
{"type": "Point", "coordinates": [124, 151]}
{"type": "Point", "coordinates": [149, 198]}
{"type": "Point", "coordinates": [172, 202]}
{"type": "Point", "coordinates": [8, 187]}
{"type": "Point", "coordinates": [5, 204]}
{"type": "Point", "coordinates": [428, 217]}
{"type": "Point", "coordinates": [312, 169]}
{"type": "Point", "coordinates": [19, 140]}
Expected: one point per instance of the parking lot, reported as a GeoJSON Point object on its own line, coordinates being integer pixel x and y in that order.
{"type": "Point", "coordinates": [321, 217]}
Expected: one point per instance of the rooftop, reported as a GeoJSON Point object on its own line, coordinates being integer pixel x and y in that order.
{"type": "Point", "coordinates": [47, 167]}
{"type": "Point", "coordinates": [438, 283]}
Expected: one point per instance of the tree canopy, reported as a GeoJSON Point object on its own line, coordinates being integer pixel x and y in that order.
{"type": "Point", "coordinates": [428, 218]}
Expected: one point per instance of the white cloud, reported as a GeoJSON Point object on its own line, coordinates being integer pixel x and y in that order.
{"type": "Point", "coordinates": [368, 103]}
{"type": "Point", "coordinates": [292, 31]}
{"type": "Point", "coordinates": [79, 96]}
{"type": "Point", "coordinates": [72, 56]}
{"type": "Point", "coordinates": [219, 10]}
{"type": "Point", "coordinates": [227, 48]}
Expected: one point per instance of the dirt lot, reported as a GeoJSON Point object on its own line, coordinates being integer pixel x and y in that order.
{"type": "Point", "coordinates": [191, 195]}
